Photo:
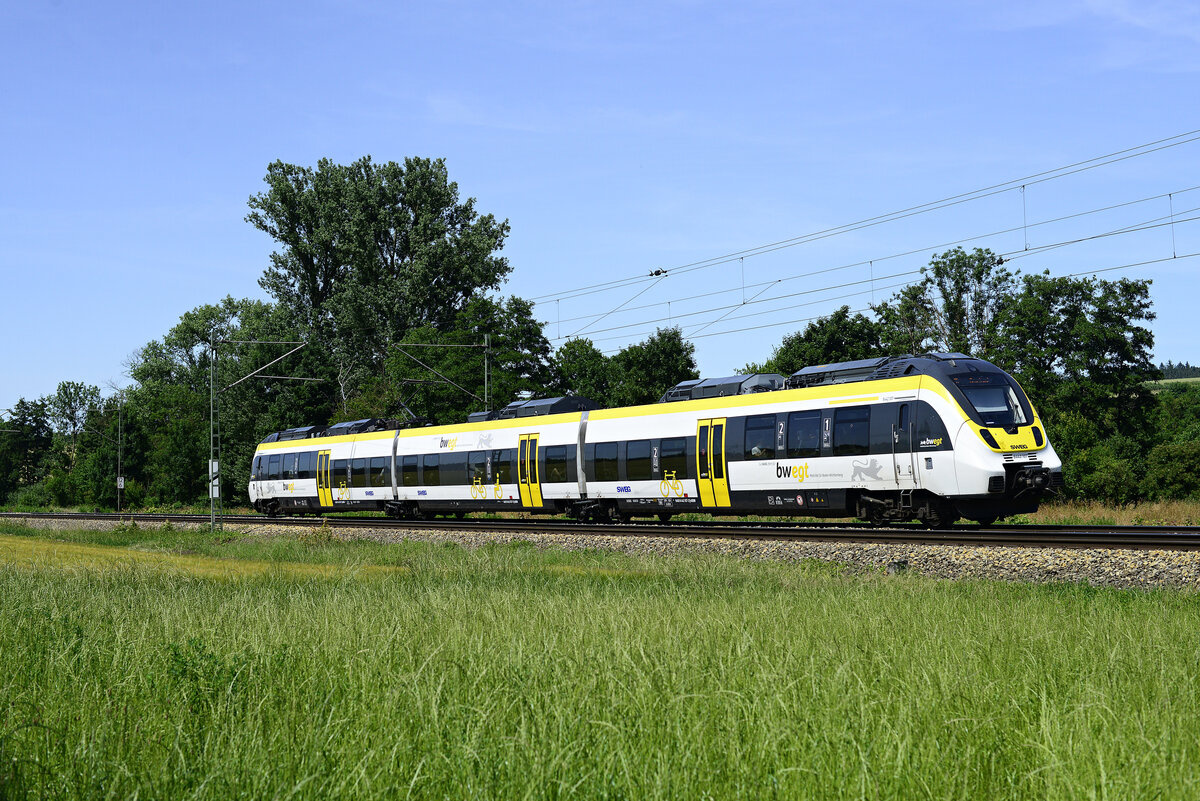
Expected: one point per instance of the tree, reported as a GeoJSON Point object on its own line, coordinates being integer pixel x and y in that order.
{"type": "Point", "coordinates": [445, 384]}
{"type": "Point", "coordinates": [907, 324]}
{"type": "Point", "coordinates": [1078, 347]}
{"type": "Point", "coordinates": [839, 337]}
{"type": "Point", "coordinates": [644, 371]}
{"type": "Point", "coordinates": [957, 306]}
{"type": "Point", "coordinates": [372, 251]}
{"type": "Point", "coordinates": [25, 455]}
{"type": "Point", "coordinates": [581, 369]}
{"type": "Point", "coordinates": [69, 407]}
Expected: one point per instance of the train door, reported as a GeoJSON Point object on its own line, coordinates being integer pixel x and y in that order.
{"type": "Point", "coordinates": [527, 472]}
{"type": "Point", "coordinates": [903, 458]}
{"type": "Point", "coordinates": [324, 490]}
{"type": "Point", "coordinates": [710, 463]}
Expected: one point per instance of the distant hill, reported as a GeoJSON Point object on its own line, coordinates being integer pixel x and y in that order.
{"type": "Point", "coordinates": [1181, 370]}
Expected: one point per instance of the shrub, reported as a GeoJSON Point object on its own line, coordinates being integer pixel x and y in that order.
{"type": "Point", "coordinates": [1107, 472]}
{"type": "Point", "coordinates": [1173, 471]}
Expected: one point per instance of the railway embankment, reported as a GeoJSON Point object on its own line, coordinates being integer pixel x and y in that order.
{"type": "Point", "coordinates": [1108, 567]}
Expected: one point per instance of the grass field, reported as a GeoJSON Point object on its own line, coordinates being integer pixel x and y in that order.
{"type": "Point", "coordinates": [163, 664]}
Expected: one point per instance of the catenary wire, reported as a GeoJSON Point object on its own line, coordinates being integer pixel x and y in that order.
{"type": "Point", "coordinates": [862, 310]}
{"type": "Point", "coordinates": [730, 308]}
{"type": "Point", "coordinates": [911, 252]}
{"type": "Point", "coordinates": [965, 197]}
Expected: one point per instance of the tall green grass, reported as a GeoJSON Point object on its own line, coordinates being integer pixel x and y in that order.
{"type": "Point", "coordinates": [515, 672]}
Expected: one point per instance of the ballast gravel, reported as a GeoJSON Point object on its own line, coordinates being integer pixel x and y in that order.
{"type": "Point", "coordinates": [1096, 566]}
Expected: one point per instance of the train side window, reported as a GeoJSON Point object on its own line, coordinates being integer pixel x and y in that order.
{"type": "Point", "coordinates": [289, 467]}
{"type": "Point", "coordinates": [852, 431]}
{"type": "Point", "coordinates": [902, 418]}
{"type": "Point", "coordinates": [477, 467]}
{"type": "Point", "coordinates": [258, 467]}
{"type": "Point", "coordinates": [606, 461]}
{"type": "Point", "coordinates": [735, 432]}
{"type": "Point", "coordinates": [556, 464]}
{"type": "Point", "coordinates": [760, 437]}
{"type": "Point", "coordinates": [453, 469]}
{"type": "Point", "coordinates": [804, 435]}
{"type": "Point", "coordinates": [274, 466]}
{"type": "Point", "coordinates": [502, 465]}
{"type": "Point", "coordinates": [304, 466]}
{"type": "Point", "coordinates": [674, 457]}
{"type": "Point", "coordinates": [358, 473]}
{"type": "Point", "coordinates": [380, 475]}
{"type": "Point", "coordinates": [408, 470]}
{"type": "Point", "coordinates": [431, 474]}
{"type": "Point", "coordinates": [341, 473]}
{"type": "Point", "coordinates": [718, 452]}
{"type": "Point", "coordinates": [573, 464]}
{"type": "Point", "coordinates": [637, 460]}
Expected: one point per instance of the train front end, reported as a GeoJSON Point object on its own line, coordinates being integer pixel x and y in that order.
{"type": "Point", "coordinates": [1004, 461]}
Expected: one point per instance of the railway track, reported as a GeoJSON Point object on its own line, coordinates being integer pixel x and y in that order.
{"type": "Point", "coordinates": [1178, 538]}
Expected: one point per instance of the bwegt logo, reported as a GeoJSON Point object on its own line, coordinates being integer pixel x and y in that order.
{"type": "Point", "coordinates": [798, 472]}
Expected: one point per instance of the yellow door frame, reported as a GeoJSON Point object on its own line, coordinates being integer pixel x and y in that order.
{"type": "Point", "coordinates": [529, 482]}
{"type": "Point", "coordinates": [324, 491]}
{"type": "Point", "coordinates": [711, 464]}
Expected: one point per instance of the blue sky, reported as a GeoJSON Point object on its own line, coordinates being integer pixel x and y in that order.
{"type": "Point", "coordinates": [616, 138]}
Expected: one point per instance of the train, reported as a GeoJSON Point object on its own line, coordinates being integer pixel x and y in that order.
{"type": "Point", "coordinates": [934, 438]}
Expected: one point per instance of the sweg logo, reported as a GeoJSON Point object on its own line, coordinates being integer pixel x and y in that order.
{"type": "Point", "coordinates": [448, 442]}
{"type": "Point", "coordinates": [799, 472]}
{"type": "Point", "coordinates": [624, 489]}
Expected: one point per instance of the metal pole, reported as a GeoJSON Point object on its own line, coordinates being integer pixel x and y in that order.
{"type": "Point", "coordinates": [120, 453]}
{"type": "Point", "coordinates": [212, 431]}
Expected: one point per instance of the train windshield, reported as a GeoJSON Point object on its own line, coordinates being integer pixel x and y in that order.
{"type": "Point", "coordinates": [994, 397]}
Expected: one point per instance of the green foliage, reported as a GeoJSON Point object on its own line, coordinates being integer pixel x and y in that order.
{"type": "Point", "coordinates": [579, 368]}
{"type": "Point", "coordinates": [25, 456]}
{"type": "Point", "coordinates": [1077, 344]}
{"type": "Point", "coordinates": [1110, 471]}
{"type": "Point", "coordinates": [1177, 413]}
{"type": "Point", "coordinates": [1182, 370]}
{"type": "Point", "coordinates": [635, 375]}
{"type": "Point", "coordinates": [417, 378]}
{"type": "Point", "coordinates": [1173, 471]}
{"type": "Point", "coordinates": [839, 337]}
{"type": "Point", "coordinates": [957, 306]}
{"type": "Point", "coordinates": [642, 372]}
{"type": "Point", "coordinates": [369, 252]}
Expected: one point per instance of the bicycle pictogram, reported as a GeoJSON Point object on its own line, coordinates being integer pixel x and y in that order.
{"type": "Point", "coordinates": [670, 485]}
{"type": "Point", "coordinates": [477, 489]}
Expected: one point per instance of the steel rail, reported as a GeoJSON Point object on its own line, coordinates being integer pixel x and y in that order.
{"type": "Point", "coordinates": [1179, 538]}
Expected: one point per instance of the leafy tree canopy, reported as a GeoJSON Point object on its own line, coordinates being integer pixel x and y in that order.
{"type": "Point", "coordinates": [642, 372]}
{"type": "Point", "coordinates": [369, 252]}
{"type": "Point", "coordinates": [840, 337]}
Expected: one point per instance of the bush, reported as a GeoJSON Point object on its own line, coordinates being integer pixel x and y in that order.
{"type": "Point", "coordinates": [1106, 472]}
{"type": "Point", "coordinates": [35, 496]}
{"type": "Point", "coordinates": [1173, 471]}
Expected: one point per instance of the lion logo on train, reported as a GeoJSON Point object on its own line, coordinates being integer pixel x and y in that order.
{"type": "Point", "coordinates": [864, 470]}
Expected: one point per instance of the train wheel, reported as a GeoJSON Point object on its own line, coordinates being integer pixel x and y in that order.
{"type": "Point", "coordinates": [665, 516]}
{"type": "Point", "coordinates": [939, 516]}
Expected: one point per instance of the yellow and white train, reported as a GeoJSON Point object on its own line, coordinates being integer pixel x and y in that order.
{"type": "Point", "coordinates": [933, 438]}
